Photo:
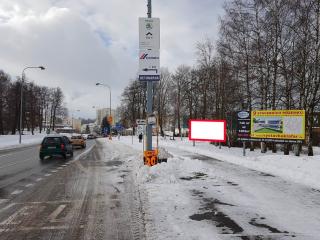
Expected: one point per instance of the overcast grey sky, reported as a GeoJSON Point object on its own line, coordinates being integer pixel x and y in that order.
{"type": "Point", "coordinates": [82, 42]}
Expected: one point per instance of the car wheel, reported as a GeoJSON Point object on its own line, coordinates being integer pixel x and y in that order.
{"type": "Point", "coordinates": [41, 157]}
{"type": "Point", "coordinates": [71, 154]}
{"type": "Point", "coordinates": [64, 156]}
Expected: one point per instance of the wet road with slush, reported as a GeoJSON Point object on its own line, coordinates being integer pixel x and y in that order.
{"type": "Point", "coordinates": [90, 196]}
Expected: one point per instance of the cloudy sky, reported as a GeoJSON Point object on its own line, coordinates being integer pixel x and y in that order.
{"type": "Point", "coordinates": [82, 42]}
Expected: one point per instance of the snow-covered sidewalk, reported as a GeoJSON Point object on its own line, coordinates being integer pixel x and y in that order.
{"type": "Point", "coordinates": [303, 169]}
{"type": "Point", "coordinates": [197, 197]}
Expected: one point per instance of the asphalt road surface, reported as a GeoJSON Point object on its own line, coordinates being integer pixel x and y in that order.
{"type": "Point", "coordinates": [92, 197]}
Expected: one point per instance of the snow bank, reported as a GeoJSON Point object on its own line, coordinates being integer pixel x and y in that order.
{"type": "Point", "coordinates": [12, 141]}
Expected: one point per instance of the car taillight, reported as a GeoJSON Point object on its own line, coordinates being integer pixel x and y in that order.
{"type": "Point", "coordinates": [62, 146]}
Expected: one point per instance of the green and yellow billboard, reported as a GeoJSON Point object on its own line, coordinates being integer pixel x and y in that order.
{"type": "Point", "coordinates": [278, 124]}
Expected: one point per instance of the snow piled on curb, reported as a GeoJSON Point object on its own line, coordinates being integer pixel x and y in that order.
{"type": "Point", "coordinates": [12, 141]}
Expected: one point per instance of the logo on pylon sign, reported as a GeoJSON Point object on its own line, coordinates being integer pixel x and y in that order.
{"type": "Point", "coordinates": [149, 65]}
{"type": "Point", "coordinates": [148, 26]}
{"type": "Point", "coordinates": [144, 55]}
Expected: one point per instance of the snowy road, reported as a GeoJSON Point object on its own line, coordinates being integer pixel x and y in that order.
{"type": "Point", "coordinates": [90, 198]}
{"type": "Point", "coordinates": [19, 164]}
{"type": "Point", "coordinates": [233, 202]}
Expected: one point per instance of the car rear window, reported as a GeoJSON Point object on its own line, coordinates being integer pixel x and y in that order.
{"type": "Point", "coordinates": [52, 141]}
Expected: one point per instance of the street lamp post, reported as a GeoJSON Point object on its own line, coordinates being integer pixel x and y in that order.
{"type": "Point", "coordinates": [21, 99]}
{"type": "Point", "coordinates": [107, 86]}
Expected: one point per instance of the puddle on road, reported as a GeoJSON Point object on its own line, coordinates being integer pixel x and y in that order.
{"type": "Point", "coordinates": [266, 174]}
{"type": "Point", "coordinates": [203, 158]}
{"type": "Point", "coordinates": [113, 163]}
{"type": "Point", "coordinates": [263, 237]}
{"type": "Point", "coordinates": [232, 183]}
{"type": "Point", "coordinates": [227, 225]}
{"type": "Point", "coordinates": [315, 190]}
{"type": "Point", "coordinates": [196, 175]}
{"type": "Point", "coordinates": [254, 222]}
{"type": "Point", "coordinates": [197, 193]}
{"type": "Point", "coordinates": [222, 221]}
{"type": "Point", "coordinates": [210, 203]}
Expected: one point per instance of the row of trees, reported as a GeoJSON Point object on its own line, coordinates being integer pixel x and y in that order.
{"type": "Point", "coordinates": [41, 105]}
{"type": "Point", "coordinates": [267, 57]}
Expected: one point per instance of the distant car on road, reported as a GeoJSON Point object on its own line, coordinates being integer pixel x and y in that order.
{"type": "Point", "coordinates": [91, 136]}
{"type": "Point", "coordinates": [53, 145]}
{"type": "Point", "coordinates": [78, 140]}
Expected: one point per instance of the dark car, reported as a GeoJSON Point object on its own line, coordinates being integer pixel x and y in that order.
{"type": "Point", "coordinates": [91, 136]}
{"type": "Point", "coordinates": [56, 145]}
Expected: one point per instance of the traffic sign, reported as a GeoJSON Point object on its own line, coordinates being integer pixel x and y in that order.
{"type": "Point", "coordinates": [149, 33]}
{"type": "Point", "coordinates": [141, 129]}
{"type": "Point", "coordinates": [152, 120]}
{"type": "Point", "coordinates": [150, 157]}
{"type": "Point", "coordinates": [110, 119]}
{"type": "Point", "coordinates": [149, 65]}
{"type": "Point", "coordinates": [141, 122]}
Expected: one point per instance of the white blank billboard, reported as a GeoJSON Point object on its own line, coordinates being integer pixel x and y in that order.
{"type": "Point", "coordinates": [207, 130]}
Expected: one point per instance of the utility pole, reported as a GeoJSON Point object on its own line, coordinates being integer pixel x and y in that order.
{"type": "Point", "coordinates": [149, 98]}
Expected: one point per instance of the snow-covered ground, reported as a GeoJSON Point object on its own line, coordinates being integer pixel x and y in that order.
{"type": "Point", "coordinates": [12, 141]}
{"type": "Point", "coordinates": [303, 169]}
{"type": "Point", "coordinates": [268, 195]}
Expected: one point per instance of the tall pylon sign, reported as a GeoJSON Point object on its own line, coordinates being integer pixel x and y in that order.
{"type": "Point", "coordinates": [149, 64]}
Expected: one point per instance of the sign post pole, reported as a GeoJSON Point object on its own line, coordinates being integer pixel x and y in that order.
{"type": "Point", "coordinates": [149, 99]}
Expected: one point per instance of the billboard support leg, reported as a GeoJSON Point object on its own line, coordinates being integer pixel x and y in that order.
{"type": "Point", "coordinates": [263, 147]}
{"type": "Point", "coordinates": [296, 150]}
{"type": "Point", "coordinates": [244, 148]}
{"type": "Point", "coordinates": [251, 146]}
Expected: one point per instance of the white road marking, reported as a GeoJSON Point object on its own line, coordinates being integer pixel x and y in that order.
{"type": "Point", "coordinates": [6, 155]}
{"type": "Point", "coordinates": [7, 207]}
{"type": "Point", "coordinates": [39, 179]}
{"type": "Point", "coordinates": [54, 171]}
{"type": "Point", "coordinates": [29, 185]}
{"type": "Point", "coordinates": [48, 174]}
{"type": "Point", "coordinates": [55, 213]}
{"type": "Point", "coordinates": [59, 168]}
{"type": "Point", "coordinates": [16, 192]}
{"type": "Point", "coordinates": [10, 219]}
{"type": "Point", "coordinates": [3, 200]}
{"type": "Point", "coordinates": [64, 165]}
